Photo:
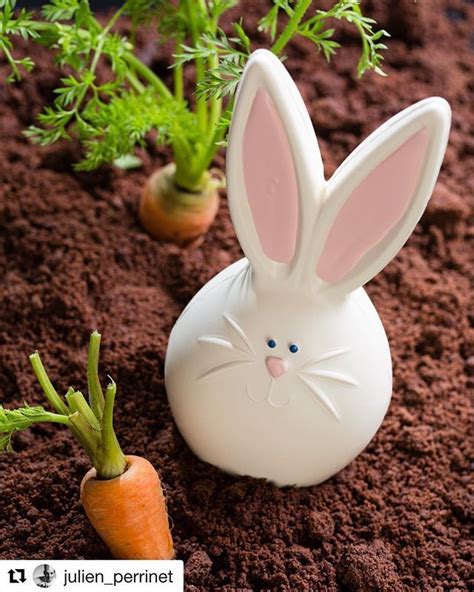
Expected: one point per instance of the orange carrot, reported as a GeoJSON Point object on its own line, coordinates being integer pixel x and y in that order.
{"type": "Point", "coordinates": [121, 495]}
{"type": "Point", "coordinates": [137, 527]}
{"type": "Point", "coordinates": [170, 213]}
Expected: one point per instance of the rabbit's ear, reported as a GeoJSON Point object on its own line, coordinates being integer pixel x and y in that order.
{"type": "Point", "coordinates": [274, 168]}
{"type": "Point", "coordinates": [379, 193]}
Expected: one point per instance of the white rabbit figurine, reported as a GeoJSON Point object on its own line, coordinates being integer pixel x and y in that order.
{"type": "Point", "coordinates": [280, 367]}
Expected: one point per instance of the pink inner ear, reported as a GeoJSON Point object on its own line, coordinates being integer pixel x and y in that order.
{"type": "Point", "coordinates": [270, 180]}
{"type": "Point", "coordinates": [373, 208]}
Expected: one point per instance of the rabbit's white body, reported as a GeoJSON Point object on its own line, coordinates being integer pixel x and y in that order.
{"type": "Point", "coordinates": [301, 428]}
{"type": "Point", "coordinates": [279, 367]}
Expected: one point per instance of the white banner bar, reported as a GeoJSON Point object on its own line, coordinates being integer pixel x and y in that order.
{"type": "Point", "coordinates": [91, 576]}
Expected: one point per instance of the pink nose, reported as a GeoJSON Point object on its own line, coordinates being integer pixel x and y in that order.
{"type": "Point", "coordinates": [276, 366]}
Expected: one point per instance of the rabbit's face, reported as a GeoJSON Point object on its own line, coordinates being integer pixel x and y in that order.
{"type": "Point", "coordinates": [281, 344]}
{"type": "Point", "coordinates": [287, 367]}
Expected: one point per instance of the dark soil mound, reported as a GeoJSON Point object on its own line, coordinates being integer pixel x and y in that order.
{"type": "Point", "coordinates": [73, 258]}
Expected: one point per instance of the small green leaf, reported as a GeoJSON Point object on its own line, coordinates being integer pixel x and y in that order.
{"type": "Point", "coordinates": [21, 25]}
{"type": "Point", "coordinates": [315, 29]}
{"type": "Point", "coordinates": [61, 10]}
{"type": "Point", "coordinates": [16, 420]}
{"type": "Point", "coordinates": [244, 39]}
{"type": "Point", "coordinates": [269, 23]}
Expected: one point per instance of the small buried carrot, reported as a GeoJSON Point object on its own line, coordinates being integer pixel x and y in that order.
{"type": "Point", "coordinates": [175, 214]}
{"type": "Point", "coordinates": [121, 495]}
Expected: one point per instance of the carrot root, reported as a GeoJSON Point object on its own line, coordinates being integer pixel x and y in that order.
{"type": "Point", "coordinates": [171, 214]}
{"type": "Point", "coordinates": [129, 512]}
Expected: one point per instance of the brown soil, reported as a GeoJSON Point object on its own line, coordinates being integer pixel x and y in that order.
{"type": "Point", "coordinates": [73, 258]}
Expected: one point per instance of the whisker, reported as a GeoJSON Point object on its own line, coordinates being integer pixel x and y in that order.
{"type": "Point", "coordinates": [338, 376]}
{"type": "Point", "coordinates": [216, 341]}
{"type": "Point", "coordinates": [240, 332]}
{"type": "Point", "coordinates": [320, 396]}
{"type": "Point", "coordinates": [221, 342]}
{"type": "Point", "coordinates": [327, 356]}
{"type": "Point", "coordinates": [221, 367]}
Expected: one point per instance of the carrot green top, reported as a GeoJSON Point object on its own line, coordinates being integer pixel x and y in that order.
{"type": "Point", "coordinates": [90, 422]}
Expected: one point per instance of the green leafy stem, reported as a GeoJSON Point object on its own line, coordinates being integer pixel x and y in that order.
{"type": "Point", "coordinates": [111, 116]}
{"type": "Point", "coordinates": [90, 422]}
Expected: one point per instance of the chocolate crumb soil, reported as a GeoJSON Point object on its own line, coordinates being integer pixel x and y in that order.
{"type": "Point", "coordinates": [74, 258]}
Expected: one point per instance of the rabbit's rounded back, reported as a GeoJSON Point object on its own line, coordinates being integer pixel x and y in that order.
{"type": "Point", "coordinates": [280, 367]}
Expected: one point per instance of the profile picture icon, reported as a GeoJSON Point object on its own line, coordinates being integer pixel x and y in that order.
{"type": "Point", "coordinates": [44, 576]}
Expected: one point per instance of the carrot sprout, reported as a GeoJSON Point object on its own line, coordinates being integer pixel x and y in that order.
{"type": "Point", "coordinates": [91, 423]}
{"type": "Point", "coordinates": [77, 402]}
{"type": "Point", "coordinates": [113, 455]}
{"type": "Point", "coordinates": [53, 398]}
{"type": "Point", "coordinates": [96, 396]}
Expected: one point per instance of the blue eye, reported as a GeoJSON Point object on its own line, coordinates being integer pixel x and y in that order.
{"type": "Point", "coordinates": [293, 348]}
{"type": "Point", "coordinates": [271, 343]}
